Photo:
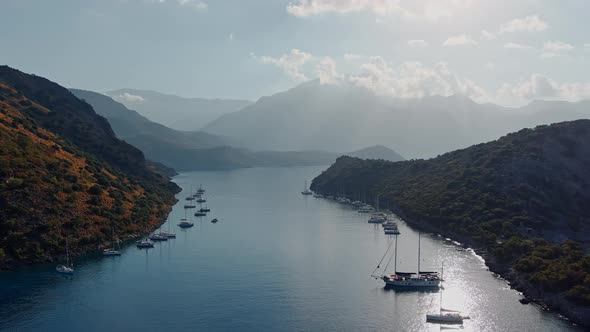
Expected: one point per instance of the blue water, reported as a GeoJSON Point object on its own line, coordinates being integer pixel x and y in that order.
{"type": "Point", "coordinates": [276, 261]}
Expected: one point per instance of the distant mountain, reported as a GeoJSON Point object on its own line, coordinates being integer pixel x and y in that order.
{"type": "Point", "coordinates": [65, 176]}
{"type": "Point", "coordinates": [136, 129]}
{"type": "Point", "coordinates": [187, 114]}
{"type": "Point", "coordinates": [201, 151]}
{"type": "Point", "coordinates": [376, 152]}
{"type": "Point", "coordinates": [520, 200]}
{"type": "Point", "coordinates": [345, 118]}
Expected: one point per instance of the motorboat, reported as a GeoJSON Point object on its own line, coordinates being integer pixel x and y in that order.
{"type": "Point", "coordinates": [157, 238]}
{"type": "Point", "coordinates": [145, 244]}
{"type": "Point", "coordinates": [214, 220]}
{"type": "Point", "coordinates": [185, 224]}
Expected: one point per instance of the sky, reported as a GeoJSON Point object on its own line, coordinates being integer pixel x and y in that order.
{"type": "Point", "coordinates": [501, 51]}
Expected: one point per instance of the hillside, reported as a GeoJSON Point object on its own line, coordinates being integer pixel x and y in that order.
{"type": "Point", "coordinates": [64, 175]}
{"type": "Point", "coordinates": [345, 118]}
{"type": "Point", "coordinates": [185, 114]}
{"type": "Point", "coordinates": [376, 152]}
{"type": "Point", "coordinates": [523, 200]}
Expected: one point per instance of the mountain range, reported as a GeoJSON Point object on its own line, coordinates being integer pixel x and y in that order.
{"type": "Point", "coordinates": [345, 118]}
{"type": "Point", "coordinates": [197, 150]}
{"type": "Point", "coordinates": [187, 114]}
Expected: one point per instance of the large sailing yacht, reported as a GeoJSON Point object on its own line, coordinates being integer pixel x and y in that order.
{"type": "Point", "coordinates": [421, 279]}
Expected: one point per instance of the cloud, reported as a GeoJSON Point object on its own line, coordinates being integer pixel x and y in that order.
{"type": "Point", "coordinates": [413, 80]}
{"type": "Point", "coordinates": [517, 46]}
{"type": "Point", "coordinates": [432, 9]}
{"type": "Point", "coordinates": [230, 37]}
{"type": "Point", "coordinates": [290, 63]}
{"type": "Point", "coordinates": [557, 46]}
{"type": "Point", "coordinates": [486, 35]}
{"type": "Point", "coordinates": [417, 43]}
{"type": "Point", "coordinates": [195, 4]}
{"type": "Point", "coordinates": [353, 56]}
{"type": "Point", "coordinates": [326, 71]}
{"type": "Point", "coordinates": [531, 23]}
{"type": "Point", "coordinates": [316, 7]}
{"type": "Point", "coordinates": [459, 41]}
{"type": "Point", "coordinates": [541, 87]}
{"type": "Point", "coordinates": [129, 98]}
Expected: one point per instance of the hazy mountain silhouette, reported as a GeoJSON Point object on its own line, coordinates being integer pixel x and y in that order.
{"type": "Point", "coordinates": [176, 112]}
{"type": "Point", "coordinates": [199, 150]}
{"type": "Point", "coordinates": [344, 118]}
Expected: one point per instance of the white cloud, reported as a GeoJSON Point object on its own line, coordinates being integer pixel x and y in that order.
{"type": "Point", "coordinates": [531, 23]}
{"type": "Point", "coordinates": [315, 7]}
{"type": "Point", "coordinates": [290, 63]}
{"type": "Point", "coordinates": [432, 9]}
{"type": "Point", "coordinates": [130, 98]}
{"type": "Point", "coordinates": [517, 46]}
{"type": "Point", "coordinates": [417, 43]}
{"type": "Point", "coordinates": [556, 46]}
{"type": "Point", "coordinates": [486, 35]}
{"type": "Point", "coordinates": [459, 40]}
{"type": "Point", "coordinates": [413, 80]}
{"type": "Point", "coordinates": [195, 4]}
{"type": "Point", "coordinates": [541, 87]}
{"type": "Point", "coordinates": [353, 56]}
{"type": "Point", "coordinates": [326, 71]}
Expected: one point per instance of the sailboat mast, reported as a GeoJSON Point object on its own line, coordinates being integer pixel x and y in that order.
{"type": "Point", "coordinates": [395, 257]}
{"type": "Point", "coordinates": [418, 253]}
{"type": "Point", "coordinates": [67, 253]}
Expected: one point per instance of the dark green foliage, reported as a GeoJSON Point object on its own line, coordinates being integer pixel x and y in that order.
{"type": "Point", "coordinates": [505, 196]}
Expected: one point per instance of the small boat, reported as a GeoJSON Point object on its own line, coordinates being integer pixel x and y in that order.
{"type": "Point", "coordinates": [185, 224]}
{"type": "Point", "coordinates": [200, 190]}
{"type": "Point", "coordinates": [145, 244]}
{"type": "Point", "coordinates": [445, 316]}
{"type": "Point", "coordinates": [318, 195]}
{"type": "Point", "coordinates": [205, 209]}
{"type": "Point", "coordinates": [189, 206]}
{"type": "Point", "coordinates": [112, 251]}
{"type": "Point", "coordinates": [200, 214]}
{"type": "Point", "coordinates": [306, 191]}
{"type": "Point", "coordinates": [377, 218]}
{"type": "Point", "coordinates": [167, 235]}
{"type": "Point", "coordinates": [157, 237]}
{"type": "Point", "coordinates": [68, 268]}
{"type": "Point", "coordinates": [214, 220]}
{"type": "Point", "coordinates": [190, 198]}
{"type": "Point", "coordinates": [201, 200]}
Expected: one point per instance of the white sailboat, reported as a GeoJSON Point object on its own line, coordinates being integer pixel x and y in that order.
{"type": "Point", "coordinates": [69, 267]}
{"type": "Point", "coordinates": [115, 250]}
{"type": "Point", "coordinates": [409, 280]}
{"type": "Point", "coordinates": [306, 191]}
{"type": "Point", "coordinates": [446, 316]}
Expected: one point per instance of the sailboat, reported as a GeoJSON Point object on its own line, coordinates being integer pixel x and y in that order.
{"type": "Point", "coordinates": [167, 233]}
{"type": "Point", "coordinates": [306, 191]}
{"type": "Point", "coordinates": [184, 223]}
{"type": "Point", "coordinates": [446, 316]}
{"type": "Point", "coordinates": [421, 279]}
{"type": "Point", "coordinates": [200, 190]}
{"type": "Point", "coordinates": [113, 251]}
{"type": "Point", "coordinates": [69, 267]}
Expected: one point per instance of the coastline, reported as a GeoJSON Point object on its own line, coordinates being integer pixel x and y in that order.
{"type": "Point", "coordinates": [91, 250]}
{"type": "Point", "coordinates": [554, 302]}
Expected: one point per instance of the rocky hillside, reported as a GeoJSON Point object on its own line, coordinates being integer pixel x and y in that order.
{"type": "Point", "coordinates": [523, 199]}
{"type": "Point", "coordinates": [64, 175]}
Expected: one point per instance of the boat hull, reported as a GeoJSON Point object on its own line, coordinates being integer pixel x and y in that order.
{"type": "Point", "coordinates": [445, 319]}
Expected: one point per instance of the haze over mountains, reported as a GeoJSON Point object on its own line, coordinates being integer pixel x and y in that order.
{"type": "Point", "coordinates": [197, 150]}
{"type": "Point", "coordinates": [345, 118]}
{"type": "Point", "coordinates": [176, 112]}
